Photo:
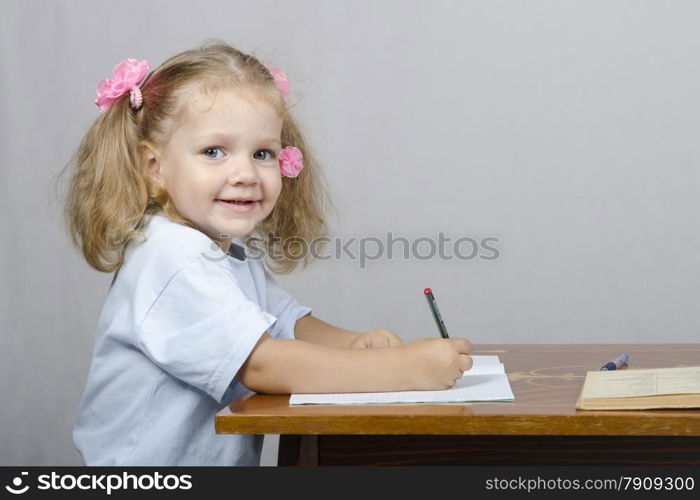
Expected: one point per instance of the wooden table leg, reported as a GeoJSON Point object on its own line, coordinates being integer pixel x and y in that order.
{"type": "Point", "coordinates": [298, 450]}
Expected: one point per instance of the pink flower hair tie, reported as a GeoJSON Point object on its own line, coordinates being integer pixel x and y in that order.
{"type": "Point", "coordinates": [291, 162]}
{"type": "Point", "coordinates": [128, 76]}
{"type": "Point", "coordinates": [281, 80]}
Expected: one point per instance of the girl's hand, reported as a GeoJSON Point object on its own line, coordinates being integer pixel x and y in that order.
{"type": "Point", "coordinates": [377, 337]}
{"type": "Point", "coordinates": [436, 364]}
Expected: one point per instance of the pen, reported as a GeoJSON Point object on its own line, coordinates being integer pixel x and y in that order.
{"type": "Point", "coordinates": [436, 313]}
{"type": "Point", "coordinates": [617, 362]}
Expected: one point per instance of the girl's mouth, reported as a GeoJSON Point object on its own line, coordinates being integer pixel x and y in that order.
{"type": "Point", "coordinates": [238, 202]}
{"type": "Point", "coordinates": [240, 206]}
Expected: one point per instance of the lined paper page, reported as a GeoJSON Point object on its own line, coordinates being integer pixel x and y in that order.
{"type": "Point", "coordinates": [485, 381]}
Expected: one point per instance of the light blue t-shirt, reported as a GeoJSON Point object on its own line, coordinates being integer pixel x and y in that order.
{"type": "Point", "coordinates": [180, 319]}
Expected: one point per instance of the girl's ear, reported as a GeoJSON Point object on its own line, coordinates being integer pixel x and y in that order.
{"type": "Point", "coordinates": [151, 158]}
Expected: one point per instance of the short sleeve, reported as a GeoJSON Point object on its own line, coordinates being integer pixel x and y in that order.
{"type": "Point", "coordinates": [202, 328]}
{"type": "Point", "coordinates": [284, 308]}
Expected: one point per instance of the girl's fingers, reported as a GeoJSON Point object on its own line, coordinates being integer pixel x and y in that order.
{"type": "Point", "coordinates": [380, 342]}
{"type": "Point", "coordinates": [463, 346]}
{"type": "Point", "coordinates": [394, 340]}
{"type": "Point", "coordinates": [465, 362]}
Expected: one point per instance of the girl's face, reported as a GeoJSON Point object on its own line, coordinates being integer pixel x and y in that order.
{"type": "Point", "coordinates": [220, 166]}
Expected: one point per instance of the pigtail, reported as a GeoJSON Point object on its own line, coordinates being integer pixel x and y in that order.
{"type": "Point", "coordinates": [298, 217]}
{"type": "Point", "coordinates": [108, 195]}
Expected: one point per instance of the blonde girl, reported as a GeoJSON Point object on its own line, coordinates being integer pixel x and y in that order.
{"type": "Point", "coordinates": [183, 165]}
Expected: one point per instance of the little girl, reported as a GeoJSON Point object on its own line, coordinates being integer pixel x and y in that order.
{"type": "Point", "coordinates": [183, 164]}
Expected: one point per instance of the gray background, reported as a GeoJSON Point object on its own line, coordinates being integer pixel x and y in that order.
{"type": "Point", "coordinates": [567, 130]}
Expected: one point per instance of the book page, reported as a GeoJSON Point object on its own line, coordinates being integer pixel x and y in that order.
{"type": "Point", "coordinates": [485, 381]}
{"type": "Point", "coordinates": [679, 380]}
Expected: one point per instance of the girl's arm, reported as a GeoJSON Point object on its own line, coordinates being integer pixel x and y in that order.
{"type": "Point", "coordinates": [312, 329]}
{"type": "Point", "coordinates": [284, 366]}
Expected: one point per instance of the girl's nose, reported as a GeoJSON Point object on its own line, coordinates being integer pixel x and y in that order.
{"type": "Point", "coordinates": [243, 171]}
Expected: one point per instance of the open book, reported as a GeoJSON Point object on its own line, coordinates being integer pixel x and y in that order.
{"type": "Point", "coordinates": [641, 389]}
{"type": "Point", "coordinates": [486, 380]}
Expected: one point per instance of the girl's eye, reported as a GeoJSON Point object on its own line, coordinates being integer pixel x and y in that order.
{"type": "Point", "coordinates": [212, 153]}
{"type": "Point", "coordinates": [263, 154]}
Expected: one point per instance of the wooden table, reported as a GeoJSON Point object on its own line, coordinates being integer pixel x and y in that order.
{"type": "Point", "coordinates": [541, 427]}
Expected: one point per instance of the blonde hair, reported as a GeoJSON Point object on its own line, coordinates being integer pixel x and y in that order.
{"type": "Point", "coordinates": [110, 192]}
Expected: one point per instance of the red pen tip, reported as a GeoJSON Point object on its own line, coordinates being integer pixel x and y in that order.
{"type": "Point", "coordinates": [427, 291]}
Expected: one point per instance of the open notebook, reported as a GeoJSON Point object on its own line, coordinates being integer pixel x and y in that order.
{"type": "Point", "coordinates": [485, 381]}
